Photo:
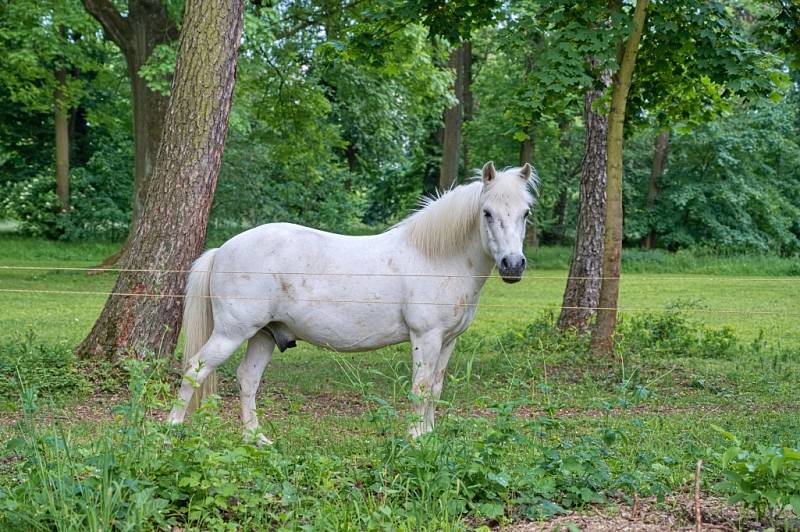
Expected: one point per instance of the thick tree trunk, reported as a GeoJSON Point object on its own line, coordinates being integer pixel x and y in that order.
{"type": "Point", "coordinates": [146, 26]}
{"type": "Point", "coordinates": [143, 314]}
{"type": "Point", "coordinates": [653, 186]}
{"type": "Point", "coordinates": [469, 105]}
{"type": "Point", "coordinates": [451, 143]}
{"type": "Point", "coordinates": [582, 292]}
{"type": "Point", "coordinates": [149, 109]}
{"type": "Point", "coordinates": [606, 325]}
{"type": "Point", "coordinates": [62, 141]}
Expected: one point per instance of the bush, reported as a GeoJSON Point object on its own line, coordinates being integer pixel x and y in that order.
{"type": "Point", "coordinates": [100, 195]}
{"type": "Point", "coordinates": [669, 334]}
{"type": "Point", "coordinates": [672, 334]}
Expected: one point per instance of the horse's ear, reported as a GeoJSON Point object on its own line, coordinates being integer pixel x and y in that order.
{"type": "Point", "coordinates": [488, 173]}
{"type": "Point", "coordinates": [525, 173]}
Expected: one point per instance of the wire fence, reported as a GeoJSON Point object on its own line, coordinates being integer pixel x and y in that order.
{"type": "Point", "coordinates": [753, 312]}
{"type": "Point", "coordinates": [638, 277]}
{"type": "Point", "coordinates": [527, 306]}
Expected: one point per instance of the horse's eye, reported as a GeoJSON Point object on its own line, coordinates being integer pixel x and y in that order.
{"type": "Point", "coordinates": [487, 215]}
{"type": "Point", "coordinates": [527, 213]}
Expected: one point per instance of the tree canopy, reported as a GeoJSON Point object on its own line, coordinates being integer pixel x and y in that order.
{"type": "Point", "coordinates": [338, 108]}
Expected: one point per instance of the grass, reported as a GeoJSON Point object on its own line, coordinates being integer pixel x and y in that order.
{"type": "Point", "coordinates": [634, 424]}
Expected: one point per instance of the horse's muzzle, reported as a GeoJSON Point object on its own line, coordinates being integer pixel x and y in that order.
{"type": "Point", "coordinates": [511, 268]}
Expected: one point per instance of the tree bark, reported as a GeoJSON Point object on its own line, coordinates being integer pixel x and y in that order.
{"type": "Point", "coordinates": [468, 103]}
{"type": "Point", "coordinates": [582, 292]}
{"type": "Point", "coordinates": [61, 120]}
{"type": "Point", "coordinates": [451, 144]}
{"type": "Point", "coordinates": [146, 26]}
{"type": "Point", "coordinates": [142, 316]}
{"type": "Point", "coordinates": [606, 324]}
{"type": "Point", "coordinates": [653, 186]}
{"type": "Point", "coordinates": [526, 153]}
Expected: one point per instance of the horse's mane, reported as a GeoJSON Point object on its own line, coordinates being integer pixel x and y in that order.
{"type": "Point", "coordinates": [444, 223]}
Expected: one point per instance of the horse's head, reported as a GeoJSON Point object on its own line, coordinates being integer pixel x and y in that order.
{"type": "Point", "coordinates": [506, 202]}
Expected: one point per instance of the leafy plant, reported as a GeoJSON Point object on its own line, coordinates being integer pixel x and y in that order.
{"type": "Point", "coordinates": [765, 479]}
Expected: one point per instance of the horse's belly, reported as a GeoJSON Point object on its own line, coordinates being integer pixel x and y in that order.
{"type": "Point", "coordinates": [348, 327]}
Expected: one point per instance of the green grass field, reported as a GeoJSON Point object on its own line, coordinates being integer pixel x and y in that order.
{"type": "Point", "coordinates": [649, 411]}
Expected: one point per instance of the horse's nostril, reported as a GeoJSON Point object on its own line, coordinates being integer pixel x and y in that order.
{"type": "Point", "coordinates": [504, 263]}
{"type": "Point", "coordinates": [524, 262]}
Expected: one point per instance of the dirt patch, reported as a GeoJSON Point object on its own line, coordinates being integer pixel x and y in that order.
{"type": "Point", "coordinates": [675, 513]}
{"type": "Point", "coordinates": [281, 404]}
{"type": "Point", "coordinates": [97, 408]}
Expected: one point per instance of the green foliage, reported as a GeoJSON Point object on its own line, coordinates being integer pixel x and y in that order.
{"type": "Point", "coordinates": [672, 334]}
{"type": "Point", "coordinates": [696, 79]}
{"type": "Point", "coordinates": [466, 469]}
{"type": "Point", "coordinates": [159, 68]}
{"type": "Point", "coordinates": [731, 185]}
{"type": "Point", "coordinates": [50, 369]}
{"type": "Point", "coordinates": [139, 473]}
{"type": "Point", "coordinates": [764, 479]}
{"type": "Point", "coordinates": [100, 200]}
{"type": "Point", "coordinates": [669, 334]}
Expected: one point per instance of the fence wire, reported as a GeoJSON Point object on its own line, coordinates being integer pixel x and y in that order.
{"type": "Point", "coordinates": [754, 312]}
{"type": "Point", "coordinates": [637, 277]}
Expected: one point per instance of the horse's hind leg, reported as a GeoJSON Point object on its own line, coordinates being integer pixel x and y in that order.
{"type": "Point", "coordinates": [213, 353]}
{"type": "Point", "coordinates": [259, 353]}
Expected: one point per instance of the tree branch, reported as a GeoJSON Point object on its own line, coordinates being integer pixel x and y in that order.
{"type": "Point", "coordinates": [115, 26]}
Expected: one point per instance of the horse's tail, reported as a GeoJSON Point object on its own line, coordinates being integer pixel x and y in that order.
{"type": "Point", "coordinates": [198, 321]}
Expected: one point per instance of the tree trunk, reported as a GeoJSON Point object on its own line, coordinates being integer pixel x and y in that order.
{"type": "Point", "coordinates": [526, 153]}
{"type": "Point", "coordinates": [432, 153]}
{"type": "Point", "coordinates": [451, 144]}
{"type": "Point", "coordinates": [560, 214]}
{"type": "Point", "coordinates": [582, 292]}
{"type": "Point", "coordinates": [468, 102]}
{"type": "Point", "coordinates": [62, 141]}
{"type": "Point", "coordinates": [653, 186]}
{"type": "Point", "coordinates": [603, 333]}
{"type": "Point", "coordinates": [560, 206]}
{"type": "Point", "coordinates": [526, 149]}
{"type": "Point", "coordinates": [146, 26]}
{"type": "Point", "coordinates": [136, 318]}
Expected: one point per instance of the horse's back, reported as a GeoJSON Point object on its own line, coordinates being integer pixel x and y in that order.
{"type": "Point", "coordinates": [329, 289]}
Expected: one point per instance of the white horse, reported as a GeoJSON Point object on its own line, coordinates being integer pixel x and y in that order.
{"type": "Point", "coordinates": [419, 281]}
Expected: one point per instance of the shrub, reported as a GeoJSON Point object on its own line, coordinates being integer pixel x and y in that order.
{"type": "Point", "coordinates": [672, 334]}
{"type": "Point", "coordinates": [99, 200]}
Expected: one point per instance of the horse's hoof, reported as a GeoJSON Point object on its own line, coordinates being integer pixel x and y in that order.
{"type": "Point", "coordinates": [415, 432]}
{"type": "Point", "coordinates": [174, 418]}
{"type": "Point", "coordinates": [258, 439]}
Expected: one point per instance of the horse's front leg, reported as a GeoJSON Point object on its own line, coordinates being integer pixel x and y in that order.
{"type": "Point", "coordinates": [429, 358]}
